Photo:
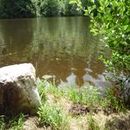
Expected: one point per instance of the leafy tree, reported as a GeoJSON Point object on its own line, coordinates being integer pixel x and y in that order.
{"type": "Point", "coordinates": [31, 8]}
{"type": "Point", "coordinates": [71, 9]}
{"type": "Point", "coordinates": [111, 18]}
{"type": "Point", "coordinates": [50, 7]}
{"type": "Point", "coordinates": [85, 3]}
{"type": "Point", "coordinates": [16, 8]}
{"type": "Point", "coordinates": [58, 8]}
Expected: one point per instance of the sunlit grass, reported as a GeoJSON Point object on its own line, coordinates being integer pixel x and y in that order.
{"type": "Point", "coordinates": [17, 123]}
{"type": "Point", "coordinates": [13, 123]}
{"type": "Point", "coordinates": [52, 116]}
{"type": "Point", "coordinates": [56, 110]}
{"type": "Point", "coordinates": [86, 95]}
{"type": "Point", "coordinates": [89, 96]}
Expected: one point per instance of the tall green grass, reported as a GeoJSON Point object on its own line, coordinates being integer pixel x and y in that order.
{"type": "Point", "coordinates": [86, 95]}
{"type": "Point", "coordinates": [52, 116]}
{"type": "Point", "coordinates": [17, 123]}
{"type": "Point", "coordinates": [13, 123]}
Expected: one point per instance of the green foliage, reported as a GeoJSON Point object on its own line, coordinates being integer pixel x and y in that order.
{"type": "Point", "coordinates": [112, 21]}
{"type": "Point", "coordinates": [45, 87]}
{"type": "Point", "coordinates": [52, 116]}
{"type": "Point", "coordinates": [85, 95]}
{"type": "Point", "coordinates": [17, 123]}
{"type": "Point", "coordinates": [88, 95]}
{"type": "Point", "coordinates": [113, 100]}
{"type": "Point", "coordinates": [50, 7]}
{"type": "Point", "coordinates": [58, 8]}
{"type": "Point", "coordinates": [33, 8]}
{"type": "Point", "coordinates": [41, 89]}
{"type": "Point", "coordinates": [16, 8]}
{"type": "Point", "coordinates": [92, 97]}
{"type": "Point", "coordinates": [71, 9]}
{"type": "Point", "coordinates": [14, 123]}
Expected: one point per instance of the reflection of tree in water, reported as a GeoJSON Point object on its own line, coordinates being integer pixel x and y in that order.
{"type": "Point", "coordinates": [62, 44]}
{"type": "Point", "coordinates": [99, 81]}
{"type": "Point", "coordinates": [17, 37]}
{"type": "Point", "coordinates": [2, 46]}
{"type": "Point", "coordinates": [58, 46]}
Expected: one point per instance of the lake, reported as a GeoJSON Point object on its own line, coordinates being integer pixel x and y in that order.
{"type": "Point", "coordinates": [59, 46]}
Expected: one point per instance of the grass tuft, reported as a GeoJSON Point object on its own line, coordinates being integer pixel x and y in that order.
{"type": "Point", "coordinates": [14, 123]}
{"type": "Point", "coordinates": [87, 100]}
{"type": "Point", "coordinates": [89, 96]}
{"type": "Point", "coordinates": [52, 116]}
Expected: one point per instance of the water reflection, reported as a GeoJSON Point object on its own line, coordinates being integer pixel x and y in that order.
{"type": "Point", "coordinates": [70, 81]}
{"type": "Point", "coordinates": [16, 37]}
{"type": "Point", "coordinates": [99, 82]}
{"type": "Point", "coordinates": [62, 47]}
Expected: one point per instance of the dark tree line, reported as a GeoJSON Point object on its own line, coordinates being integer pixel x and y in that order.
{"type": "Point", "coordinates": [33, 8]}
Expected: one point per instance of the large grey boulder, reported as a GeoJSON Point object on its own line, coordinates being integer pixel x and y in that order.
{"type": "Point", "coordinates": [18, 92]}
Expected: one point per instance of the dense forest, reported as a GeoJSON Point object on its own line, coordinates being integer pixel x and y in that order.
{"type": "Point", "coordinates": [33, 8]}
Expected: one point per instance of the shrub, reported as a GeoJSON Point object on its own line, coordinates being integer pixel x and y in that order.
{"type": "Point", "coordinates": [110, 19]}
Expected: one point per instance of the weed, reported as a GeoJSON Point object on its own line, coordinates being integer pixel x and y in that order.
{"type": "Point", "coordinates": [41, 89]}
{"type": "Point", "coordinates": [86, 95]}
{"type": "Point", "coordinates": [112, 101]}
{"type": "Point", "coordinates": [16, 123]}
{"type": "Point", "coordinates": [73, 95]}
{"type": "Point", "coordinates": [45, 87]}
{"type": "Point", "coordinates": [52, 116]}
